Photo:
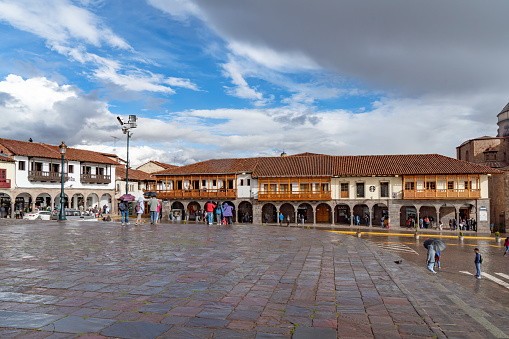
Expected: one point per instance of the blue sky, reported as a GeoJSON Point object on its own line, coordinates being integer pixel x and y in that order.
{"type": "Point", "coordinates": [226, 78]}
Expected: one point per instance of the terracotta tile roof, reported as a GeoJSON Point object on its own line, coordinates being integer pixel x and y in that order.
{"type": "Point", "coordinates": [326, 165]}
{"type": "Point", "coordinates": [163, 165]}
{"type": "Point", "coordinates": [33, 149]}
{"type": "Point", "coordinates": [404, 165]}
{"type": "Point", "coordinates": [306, 154]}
{"type": "Point", "coordinates": [120, 173]}
{"type": "Point", "coordinates": [5, 157]}
{"type": "Point", "coordinates": [214, 166]}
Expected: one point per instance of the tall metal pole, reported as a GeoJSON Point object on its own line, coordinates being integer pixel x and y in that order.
{"type": "Point", "coordinates": [62, 217]}
{"type": "Point", "coordinates": [127, 167]}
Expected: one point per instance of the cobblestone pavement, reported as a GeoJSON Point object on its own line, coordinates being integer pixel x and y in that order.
{"type": "Point", "coordinates": [97, 279]}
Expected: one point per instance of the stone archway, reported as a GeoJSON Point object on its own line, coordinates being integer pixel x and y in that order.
{"type": "Point", "coordinates": [428, 215]}
{"type": "Point", "coordinates": [406, 213]}
{"type": "Point", "coordinates": [23, 202]}
{"type": "Point", "coordinates": [380, 211]}
{"type": "Point", "coordinates": [42, 201]}
{"type": "Point", "coordinates": [323, 213]}
{"type": "Point", "coordinates": [447, 215]}
{"type": "Point", "coordinates": [359, 212]}
{"type": "Point", "coordinates": [106, 200]}
{"type": "Point", "coordinates": [78, 201]}
{"type": "Point", "coordinates": [177, 211]}
{"type": "Point", "coordinates": [193, 209]}
{"type": "Point", "coordinates": [56, 201]}
{"type": "Point", "coordinates": [288, 211]}
{"type": "Point", "coordinates": [245, 212]}
{"type": "Point", "coordinates": [306, 211]}
{"type": "Point", "coordinates": [269, 213]}
{"type": "Point", "coordinates": [342, 214]}
{"type": "Point", "coordinates": [5, 205]}
{"type": "Point", "coordinates": [92, 200]}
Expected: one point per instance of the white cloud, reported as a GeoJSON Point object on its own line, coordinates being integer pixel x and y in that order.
{"type": "Point", "coordinates": [242, 89]}
{"type": "Point", "coordinates": [59, 22]}
{"type": "Point", "coordinates": [179, 9]}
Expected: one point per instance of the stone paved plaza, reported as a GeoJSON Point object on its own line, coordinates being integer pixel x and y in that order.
{"type": "Point", "coordinates": [98, 279]}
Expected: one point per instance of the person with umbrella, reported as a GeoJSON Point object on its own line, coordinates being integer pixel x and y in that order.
{"type": "Point", "coordinates": [433, 246]}
{"type": "Point", "coordinates": [153, 205]}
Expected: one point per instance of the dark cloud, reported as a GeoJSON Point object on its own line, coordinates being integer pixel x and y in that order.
{"type": "Point", "coordinates": [409, 47]}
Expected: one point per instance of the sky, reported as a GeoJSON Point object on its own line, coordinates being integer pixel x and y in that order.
{"type": "Point", "coordinates": [224, 78]}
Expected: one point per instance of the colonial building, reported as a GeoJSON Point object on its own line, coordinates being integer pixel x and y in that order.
{"type": "Point", "coordinates": [34, 174]}
{"type": "Point", "coordinates": [493, 152]}
{"type": "Point", "coordinates": [138, 181]}
{"type": "Point", "coordinates": [334, 189]}
{"type": "Point", "coordinates": [154, 166]}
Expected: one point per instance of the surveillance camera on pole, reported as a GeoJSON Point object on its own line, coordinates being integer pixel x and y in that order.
{"type": "Point", "coordinates": [125, 129]}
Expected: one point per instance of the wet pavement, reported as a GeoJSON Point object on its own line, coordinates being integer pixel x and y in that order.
{"type": "Point", "coordinates": [97, 279]}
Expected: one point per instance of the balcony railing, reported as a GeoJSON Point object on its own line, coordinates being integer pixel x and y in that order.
{"type": "Point", "coordinates": [197, 194]}
{"type": "Point", "coordinates": [5, 183]}
{"type": "Point", "coordinates": [441, 193]}
{"type": "Point", "coordinates": [46, 176]}
{"type": "Point", "coordinates": [294, 195]}
{"type": "Point", "coordinates": [95, 179]}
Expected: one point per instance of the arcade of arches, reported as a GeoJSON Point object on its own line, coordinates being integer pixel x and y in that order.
{"type": "Point", "coordinates": [28, 200]}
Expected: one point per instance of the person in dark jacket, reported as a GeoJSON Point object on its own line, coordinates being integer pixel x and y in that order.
{"type": "Point", "coordinates": [477, 262]}
{"type": "Point", "coordinates": [123, 207]}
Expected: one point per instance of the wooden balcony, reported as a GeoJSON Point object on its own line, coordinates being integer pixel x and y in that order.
{"type": "Point", "coordinates": [5, 183]}
{"type": "Point", "coordinates": [294, 195]}
{"type": "Point", "coordinates": [196, 194]}
{"type": "Point", "coordinates": [95, 179]}
{"type": "Point", "coordinates": [442, 194]}
{"type": "Point", "coordinates": [46, 176]}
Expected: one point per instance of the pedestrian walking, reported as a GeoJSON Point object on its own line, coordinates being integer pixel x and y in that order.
{"type": "Point", "coordinates": [123, 207]}
{"type": "Point", "coordinates": [430, 259]}
{"type": "Point", "coordinates": [159, 212]}
{"type": "Point", "coordinates": [506, 244]}
{"type": "Point", "coordinates": [209, 207]}
{"type": "Point", "coordinates": [228, 213]}
{"type": "Point", "coordinates": [139, 208]}
{"type": "Point", "coordinates": [440, 225]}
{"type": "Point", "coordinates": [219, 211]}
{"type": "Point", "coordinates": [153, 205]}
{"type": "Point", "coordinates": [478, 261]}
{"type": "Point", "coordinates": [281, 217]}
{"type": "Point", "coordinates": [287, 221]}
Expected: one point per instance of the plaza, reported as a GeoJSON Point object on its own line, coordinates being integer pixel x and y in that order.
{"type": "Point", "coordinates": [101, 280]}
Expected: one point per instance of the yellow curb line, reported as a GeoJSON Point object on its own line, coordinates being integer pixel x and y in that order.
{"type": "Point", "coordinates": [411, 235]}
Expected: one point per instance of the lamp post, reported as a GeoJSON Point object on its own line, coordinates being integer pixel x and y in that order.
{"type": "Point", "coordinates": [126, 126]}
{"type": "Point", "coordinates": [61, 217]}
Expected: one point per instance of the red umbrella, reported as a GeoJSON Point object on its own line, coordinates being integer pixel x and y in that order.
{"type": "Point", "coordinates": [127, 197]}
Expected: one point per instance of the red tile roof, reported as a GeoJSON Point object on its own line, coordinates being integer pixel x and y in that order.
{"type": "Point", "coordinates": [5, 157]}
{"type": "Point", "coordinates": [120, 172]}
{"type": "Point", "coordinates": [40, 150]}
{"type": "Point", "coordinates": [326, 165]}
{"type": "Point", "coordinates": [163, 165]}
{"type": "Point", "coordinates": [214, 166]}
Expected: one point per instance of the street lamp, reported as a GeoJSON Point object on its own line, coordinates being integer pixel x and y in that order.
{"type": "Point", "coordinates": [61, 217]}
{"type": "Point", "coordinates": [126, 126]}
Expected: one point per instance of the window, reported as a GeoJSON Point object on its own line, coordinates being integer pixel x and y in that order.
{"type": "Point", "coordinates": [283, 187]}
{"type": "Point", "coordinates": [325, 187]}
{"type": "Point", "coordinates": [430, 185]}
{"type": "Point", "coordinates": [100, 171]}
{"type": "Point", "coordinates": [384, 189]}
{"type": "Point", "coordinates": [490, 156]}
{"type": "Point", "coordinates": [249, 182]}
{"type": "Point", "coordinates": [409, 186]}
{"type": "Point", "coordinates": [344, 190]}
{"type": "Point", "coordinates": [196, 184]}
{"type": "Point", "coordinates": [71, 168]}
{"type": "Point", "coordinates": [87, 170]}
{"type": "Point", "coordinates": [179, 184]}
{"type": "Point", "coordinates": [241, 182]}
{"type": "Point", "coordinates": [230, 184]}
{"type": "Point", "coordinates": [214, 182]}
{"type": "Point", "coordinates": [450, 185]}
{"type": "Point", "coordinates": [3, 175]}
{"type": "Point", "coordinates": [55, 168]}
{"type": "Point", "coordinates": [37, 166]}
{"type": "Point", "coordinates": [360, 190]}
{"type": "Point", "coordinates": [468, 185]}
{"type": "Point", "coordinates": [21, 165]}
{"type": "Point", "coordinates": [118, 187]}
{"type": "Point", "coordinates": [204, 183]}
{"type": "Point", "coordinates": [304, 187]}
{"type": "Point", "coordinates": [273, 187]}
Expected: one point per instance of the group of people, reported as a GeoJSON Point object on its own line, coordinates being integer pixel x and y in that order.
{"type": "Point", "coordinates": [222, 213]}
{"type": "Point", "coordinates": [155, 209]}
{"type": "Point", "coordinates": [463, 225]}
